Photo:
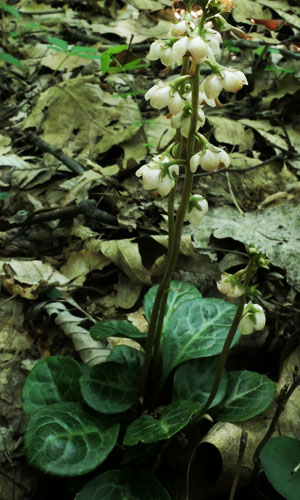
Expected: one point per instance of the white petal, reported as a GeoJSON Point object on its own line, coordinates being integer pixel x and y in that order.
{"type": "Point", "coordinates": [141, 170]}
{"type": "Point", "coordinates": [176, 103]}
{"type": "Point", "coordinates": [233, 80]}
{"type": "Point", "coordinates": [194, 162]}
{"type": "Point", "coordinates": [185, 127]}
{"type": "Point", "coordinates": [179, 49]}
{"type": "Point", "coordinates": [212, 86]}
{"type": "Point", "coordinates": [155, 50]}
{"type": "Point", "coordinates": [195, 216]}
{"type": "Point", "coordinates": [224, 160]}
{"type": "Point", "coordinates": [246, 325]}
{"type": "Point", "coordinates": [151, 178]}
{"type": "Point", "coordinates": [202, 203]}
{"type": "Point", "coordinates": [165, 185]}
{"type": "Point", "coordinates": [175, 121]}
{"type": "Point", "coordinates": [180, 29]}
{"type": "Point", "coordinates": [209, 161]}
{"type": "Point", "coordinates": [198, 48]}
{"type": "Point", "coordinates": [151, 91]}
{"type": "Point", "coordinates": [160, 97]}
{"type": "Point", "coordinates": [166, 56]}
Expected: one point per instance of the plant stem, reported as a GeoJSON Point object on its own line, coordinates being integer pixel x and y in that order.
{"type": "Point", "coordinates": [224, 353]}
{"type": "Point", "coordinates": [228, 341]}
{"type": "Point", "coordinates": [158, 311]}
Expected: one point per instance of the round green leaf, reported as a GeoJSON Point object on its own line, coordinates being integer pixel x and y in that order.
{"type": "Point", "coordinates": [111, 387]}
{"type": "Point", "coordinates": [126, 355]}
{"type": "Point", "coordinates": [51, 380]}
{"type": "Point", "coordinates": [163, 424]}
{"type": "Point", "coordinates": [119, 485]}
{"type": "Point", "coordinates": [179, 292]}
{"type": "Point", "coordinates": [197, 328]}
{"type": "Point", "coordinates": [193, 380]}
{"type": "Point", "coordinates": [247, 395]}
{"type": "Point", "coordinates": [105, 329]}
{"type": "Point", "coordinates": [279, 457]}
{"type": "Point", "coordinates": [65, 439]}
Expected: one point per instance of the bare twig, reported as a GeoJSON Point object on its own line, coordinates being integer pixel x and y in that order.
{"type": "Point", "coordinates": [72, 164]}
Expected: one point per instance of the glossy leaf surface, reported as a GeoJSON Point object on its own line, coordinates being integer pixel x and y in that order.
{"type": "Point", "coordinates": [110, 387]}
{"type": "Point", "coordinates": [65, 439]}
{"type": "Point", "coordinates": [193, 380]}
{"type": "Point", "coordinates": [279, 458]}
{"type": "Point", "coordinates": [119, 328]}
{"type": "Point", "coordinates": [119, 485]}
{"type": "Point", "coordinates": [51, 380]}
{"type": "Point", "coordinates": [163, 424]}
{"type": "Point", "coordinates": [248, 394]}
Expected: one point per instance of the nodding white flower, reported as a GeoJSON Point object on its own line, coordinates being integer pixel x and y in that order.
{"type": "Point", "coordinates": [228, 285]}
{"type": "Point", "coordinates": [229, 79]}
{"type": "Point", "coordinates": [181, 29]}
{"type": "Point", "coordinates": [213, 39]}
{"type": "Point", "coordinates": [197, 208]}
{"type": "Point", "coordinates": [160, 50]}
{"type": "Point", "coordinates": [184, 120]}
{"type": "Point", "coordinates": [253, 319]}
{"type": "Point", "coordinates": [209, 159]}
{"type": "Point", "coordinates": [212, 86]}
{"type": "Point", "coordinates": [195, 45]}
{"type": "Point", "coordinates": [157, 176]}
{"type": "Point", "coordinates": [162, 95]}
{"type": "Point", "coordinates": [233, 80]}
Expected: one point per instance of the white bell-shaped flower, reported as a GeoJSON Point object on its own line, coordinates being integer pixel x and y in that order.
{"type": "Point", "coordinates": [213, 39]}
{"type": "Point", "coordinates": [158, 95]}
{"type": "Point", "coordinates": [229, 79]}
{"type": "Point", "coordinates": [157, 176]}
{"type": "Point", "coordinates": [183, 121]}
{"type": "Point", "coordinates": [213, 86]}
{"type": "Point", "coordinates": [209, 159]}
{"type": "Point", "coordinates": [162, 95]}
{"type": "Point", "coordinates": [197, 208]}
{"type": "Point", "coordinates": [181, 29]}
{"type": "Point", "coordinates": [233, 80]}
{"type": "Point", "coordinates": [229, 285]}
{"type": "Point", "coordinates": [160, 50]}
{"type": "Point", "coordinates": [194, 45]}
{"type": "Point", "coordinates": [253, 319]}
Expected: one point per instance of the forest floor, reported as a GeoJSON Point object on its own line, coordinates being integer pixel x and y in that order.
{"type": "Point", "coordinates": [81, 240]}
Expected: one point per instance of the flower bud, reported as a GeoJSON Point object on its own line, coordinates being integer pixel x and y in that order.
{"type": "Point", "coordinates": [230, 286]}
{"type": "Point", "coordinates": [253, 319]}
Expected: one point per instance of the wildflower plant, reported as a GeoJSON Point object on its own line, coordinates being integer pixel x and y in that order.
{"type": "Point", "coordinates": [78, 414]}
